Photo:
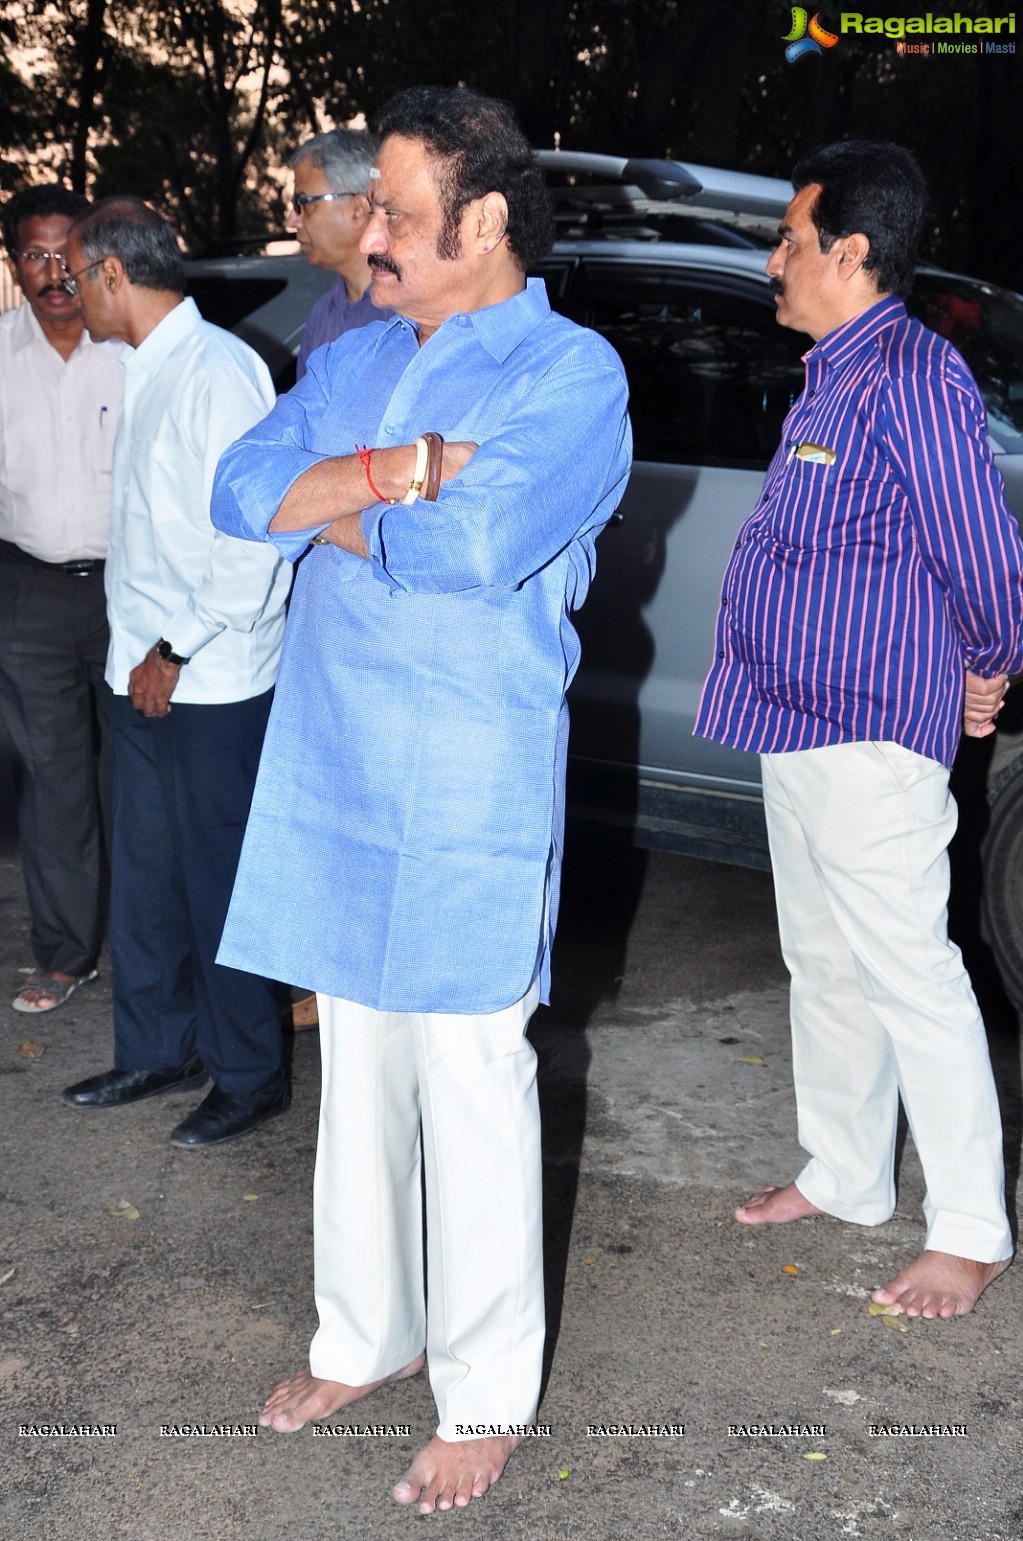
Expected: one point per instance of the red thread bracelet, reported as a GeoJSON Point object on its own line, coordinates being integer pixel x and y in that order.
{"type": "Point", "coordinates": [365, 456]}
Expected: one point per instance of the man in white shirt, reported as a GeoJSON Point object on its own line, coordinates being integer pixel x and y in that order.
{"type": "Point", "coordinates": [196, 621]}
{"type": "Point", "coordinates": [59, 398]}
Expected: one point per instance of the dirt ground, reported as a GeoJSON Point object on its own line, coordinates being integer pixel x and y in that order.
{"type": "Point", "coordinates": [146, 1289]}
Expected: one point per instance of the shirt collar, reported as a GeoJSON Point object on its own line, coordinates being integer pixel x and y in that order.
{"type": "Point", "coordinates": [860, 332]}
{"type": "Point", "coordinates": [500, 328]}
{"type": "Point", "coordinates": [153, 351]}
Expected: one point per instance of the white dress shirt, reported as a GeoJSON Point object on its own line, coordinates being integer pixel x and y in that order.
{"type": "Point", "coordinates": [57, 426]}
{"type": "Point", "coordinates": [190, 390]}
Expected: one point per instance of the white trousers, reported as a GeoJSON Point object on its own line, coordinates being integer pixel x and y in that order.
{"type": "Point", "coordinates": [881, 1002]}
{"type": "Point", "coordinates": [469, 1083]}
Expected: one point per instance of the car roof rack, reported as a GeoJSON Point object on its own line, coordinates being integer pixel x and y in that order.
{"type": "Point", "coordinates": [667, 181]}
{"type": "Point", "coordinates": [744, 192]}
{"type": "Point", "coordinates": [607, 196]}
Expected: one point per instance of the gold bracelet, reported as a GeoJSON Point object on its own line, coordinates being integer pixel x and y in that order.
{"type": "Point", "coordinates": [415, 486]}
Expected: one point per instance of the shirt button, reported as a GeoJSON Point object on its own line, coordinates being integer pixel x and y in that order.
{"type": "Point", "coordinates": [724, 602]}
{"type": "Point", "coordinates": [721, 655]}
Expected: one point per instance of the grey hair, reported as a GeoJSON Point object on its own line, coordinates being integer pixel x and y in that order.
{"type": "Point", "coordinates": [344, 155]}
{"type": "Point", "coordinates": [141, 238]}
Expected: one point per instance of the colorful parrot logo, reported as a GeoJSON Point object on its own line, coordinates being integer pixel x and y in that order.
{"type": "Point", "coordinates": [799, 43]}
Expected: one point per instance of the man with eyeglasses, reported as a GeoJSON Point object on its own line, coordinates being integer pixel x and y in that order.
{"type": "Point", "coordinates": [329, 212]}
{"type": "Point", "coordinates": [59, 399]}
{"type": "Point", "coordinates": [196, 623]}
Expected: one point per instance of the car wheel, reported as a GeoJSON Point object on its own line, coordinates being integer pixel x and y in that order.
{"type": "Point", "coordinates": [1002, 901]}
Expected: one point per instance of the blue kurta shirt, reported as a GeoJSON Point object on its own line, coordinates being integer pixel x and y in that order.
{"type": "Point", "coordinates": [407, 819]}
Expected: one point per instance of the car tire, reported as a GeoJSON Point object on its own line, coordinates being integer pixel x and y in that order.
{"type": "Point", "coordinates": [1002, 900]}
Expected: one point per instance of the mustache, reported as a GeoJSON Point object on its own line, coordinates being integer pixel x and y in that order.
{"type": "Point", "coordinates": [60, 288]}
{"type": "Point", "coordinates": [384, 265]}
{"type": "Point", "coordinates": [776, 286]}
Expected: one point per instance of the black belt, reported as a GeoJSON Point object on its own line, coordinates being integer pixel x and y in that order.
{"type": "Point", "coordinates": [79, 567]}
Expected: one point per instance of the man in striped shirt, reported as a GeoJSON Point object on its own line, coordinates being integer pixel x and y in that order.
{"type": "Point", "coordinates": [877, 577]}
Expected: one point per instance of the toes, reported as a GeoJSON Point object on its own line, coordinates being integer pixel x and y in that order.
{"type": "Point", "coordinates": [756, 1200]}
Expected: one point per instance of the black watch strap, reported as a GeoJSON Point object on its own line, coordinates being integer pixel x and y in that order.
{"type": "Point", "coordinates": [167, 653]}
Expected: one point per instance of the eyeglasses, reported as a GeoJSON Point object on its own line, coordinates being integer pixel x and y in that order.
{"type": "Point", "coordinates": [71, 283]}
{"type": "Point", "coordinates": [36, 258]}
{"type": "Point", "coordinates": [300, 200]}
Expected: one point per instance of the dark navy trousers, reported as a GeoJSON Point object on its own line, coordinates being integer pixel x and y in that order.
{"type": "Point", "coordinates": [182, 789]}
{"type": "Point", "coordinates": [53, 648]}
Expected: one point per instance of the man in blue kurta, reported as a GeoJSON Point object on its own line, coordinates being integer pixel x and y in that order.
{"type": "Point", "coordinates": [443, 477]}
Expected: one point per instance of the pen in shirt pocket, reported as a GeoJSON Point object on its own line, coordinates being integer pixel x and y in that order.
{"type": "Point", "coordinates": [102, 417]}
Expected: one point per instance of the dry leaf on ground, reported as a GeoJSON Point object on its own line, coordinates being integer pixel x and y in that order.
{"type": "Point", "coordinates": [122, 1210]}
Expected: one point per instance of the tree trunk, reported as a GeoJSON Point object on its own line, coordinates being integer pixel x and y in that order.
{"type": "Point", "coordinates": [91, 48]}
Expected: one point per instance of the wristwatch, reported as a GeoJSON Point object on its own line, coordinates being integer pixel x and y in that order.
{"type": "Point", "coordinates": [167, 653]}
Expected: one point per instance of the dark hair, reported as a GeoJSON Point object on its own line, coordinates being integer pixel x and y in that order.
{"type": "Point", "coordinates": [482, 150]}
{"type": "Point", "coordinates": [874, 188]}
{"type": "Point", "coordinates": [143, 240]}
{"type": "Point", "coordinates": [39, 203]}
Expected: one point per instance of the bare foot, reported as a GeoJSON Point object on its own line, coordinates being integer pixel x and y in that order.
{"type": "Point", "coordinates": [451, 1473]}
{"type": "Point", "coordinates": [775, 1206]}
{"type": "Point", "coordinates": [939, 1284]}
{"type": "Point", "coordinates": [304, 1397]}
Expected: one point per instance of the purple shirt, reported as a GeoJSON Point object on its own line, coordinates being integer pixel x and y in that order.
{"type": "Point", "coordinates": [333, 314]}
{"type": "Point", "coordinates": [879, 561]}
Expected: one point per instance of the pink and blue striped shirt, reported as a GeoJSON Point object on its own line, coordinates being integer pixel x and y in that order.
{"type": "Point", "coordinates": [880, 561]}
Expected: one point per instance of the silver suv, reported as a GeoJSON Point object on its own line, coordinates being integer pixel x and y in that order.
{"type": "Point", "coordinates": [667, 261]}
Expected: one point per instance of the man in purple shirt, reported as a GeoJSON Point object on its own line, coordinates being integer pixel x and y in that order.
{"type": "Point", "coordinates": [329, 213]}
{"type": "Point", "coordinates": [879, 573]}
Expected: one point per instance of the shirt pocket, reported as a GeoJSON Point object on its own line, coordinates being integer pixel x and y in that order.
{"type": "Point", "coordinates": [803, 515]}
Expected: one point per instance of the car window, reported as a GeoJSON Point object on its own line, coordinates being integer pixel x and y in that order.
{"type": "Point", "coordinates": [226, 299]}
{"type": "Point", "coordinates": [711, 373]}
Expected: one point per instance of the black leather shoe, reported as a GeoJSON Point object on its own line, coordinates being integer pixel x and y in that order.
{"type": "Point", "coordinates": [118, 1087]}
{"type": "Point", "coordinates": [223, 1116]}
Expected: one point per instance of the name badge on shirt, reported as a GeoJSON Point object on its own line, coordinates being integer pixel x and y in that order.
{"type": "Point", "coordinates": [816, 454]}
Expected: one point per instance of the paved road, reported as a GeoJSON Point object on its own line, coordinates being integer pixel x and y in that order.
{"type": "Point", "coordinates": [667, 1097]}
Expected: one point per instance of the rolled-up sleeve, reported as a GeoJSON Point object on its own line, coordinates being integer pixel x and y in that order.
{"type": "Point", "coordinates": [526, 494]}
{"type": "Point", "coordinates": [256, 473]}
